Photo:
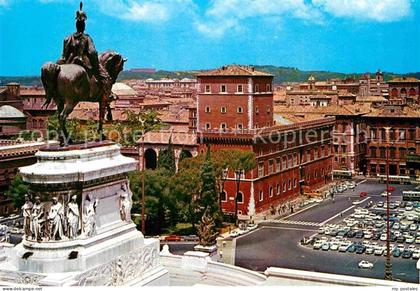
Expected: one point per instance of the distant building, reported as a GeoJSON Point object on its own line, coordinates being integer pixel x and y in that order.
{"type": "Point", "coordinates": [13, 154]}
{"type": "Point", "coordinates": [235, 110]}
{"type": "Point", "coordinates": [393, 131]}
{"type": "Point", "coordinates": [373, 86]}
{"type": "Point", "coordinates": [349, 140]}
{"type": "Point", "coordinates": [404, 90]}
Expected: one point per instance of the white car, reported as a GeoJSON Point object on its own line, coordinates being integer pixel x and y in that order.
{"type": "Point", "coordinates": [334, 246]}
{"type": "Point", "coordinates": [365, 265]}
{"type": "Point", "coordinates": [409, 239]}
{"type": "Point", "coordinates": [234, 233]}
{"type": "Point", "coordinates": [383, 237]}
{"type": "Point", "coordinates": [418, 240]}
{"type": "Point", "coordinates": [369, 250]}
{"type": "Point", "coordinates": [411, 217]}
{"type": "Point", "coordinates": [416, 254]}
{"type": "Point", "coordinates": [383, 194]}
{"type": "Point", "coordinates": [409, 207]}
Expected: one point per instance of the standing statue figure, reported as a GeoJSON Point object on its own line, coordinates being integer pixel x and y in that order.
{"type": "Point", "coordinates": [37, 219]}
{"type": "Point", "coordinates": [125, 204]}
{"type": "Point", "coordinates": [26, 213]}
{"type": "Point", "coordinates": [89, 216]}
{"type": "Point", "coordinates": [73, 217]}
{"type": "Point", "coordinates": [80, 75]}
{"type": "Point", "coordinates": [55, 217]}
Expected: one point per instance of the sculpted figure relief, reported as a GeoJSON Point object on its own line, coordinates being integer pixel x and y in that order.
{"type": "Point", "coordinates": [73, 218]}
{"type": "Point", "coordinates": [89, 216]}
{"type": "Point", "coordinates": [37, 219]}
{"type": "Point", "coordinates": [56, 217]}
{"type": "Point", "coordinates": [26, 212]}
{"type": "Point", "coordinates": [125, 204]}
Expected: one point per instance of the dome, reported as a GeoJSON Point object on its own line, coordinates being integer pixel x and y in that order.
{"type": "Point", "coordinates": [7, 111]}
{"type": "Point", "coordinates": [123, 89]}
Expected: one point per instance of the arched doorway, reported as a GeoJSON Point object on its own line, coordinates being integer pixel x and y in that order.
{"type": "Point", "coordinates": [185, 154]}
{"type": "Point", "coordinates": [394, 92]}
{"type": "Point", "coordinates": [403, 92]}
{"type": "Point", "coordinates": [150, 158]}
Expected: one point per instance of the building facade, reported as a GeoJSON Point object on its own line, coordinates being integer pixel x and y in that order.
{"type": "Point", "coordinates": [394, 132]}
{"type": "Point", "coordinates": [235, 110]}
{"type": "Point", "coordinates": [404, 90]}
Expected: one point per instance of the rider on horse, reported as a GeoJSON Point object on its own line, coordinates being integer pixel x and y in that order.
{"type": "Point", "coordinates": [79, 49]}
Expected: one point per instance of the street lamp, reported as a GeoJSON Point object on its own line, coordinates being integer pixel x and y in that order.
{"type": "Point", "coordinates": [142, 167]}
{"type": "Point", "coordinates": [224, 177]}
{"type": "Point", "coordinates": [388, 265]}
{"type": "Point", "coordinates": [238, 180]}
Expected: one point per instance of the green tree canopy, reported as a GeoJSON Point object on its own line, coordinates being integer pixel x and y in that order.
{"type": "Point", "coordinates": [17, 190]}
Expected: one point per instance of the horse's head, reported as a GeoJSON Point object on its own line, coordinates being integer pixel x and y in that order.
{"type": "Point", "coordinates": [113, 63]}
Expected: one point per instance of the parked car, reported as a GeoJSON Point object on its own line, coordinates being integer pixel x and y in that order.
{"type": "Point", "coordinates": [396, 253]}
{"type": "Point", "coordinates": [306, 240]}
{"type": "Point", "coordinates": [369, 250]}
{"type": "Point", "coordinates": [365, 265]}
{"type": "Point", "coordinates": [252, 226]}
{"type": "Point", "coordinates": [173, 237]}
{"type": "Point", "coordinates": [317, 245]}
{"type": "Point", "coordinates": [360, 249]}
{"type": "Point", "coordinates": [363, 194]}
{"type": "Point", "coordinates": [359, 234]}
{"type": "Point", "coordinates": [234, 233]}
{"type": "Point", "coordinates": [406, 254]}
{"type": "Point", "coordinates": [416, 255]}
{"type": "Point", "coordinates": [325, 246]}
{"type": "Point", "coordinates": [191, 238]}
{"type": "Point", "coordinates": [378, 251]}
{"type": "Point", "coordinates": [351, 248]}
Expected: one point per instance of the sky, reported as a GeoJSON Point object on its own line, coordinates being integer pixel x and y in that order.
{"type": "Point", "coordinates": [350, 36]}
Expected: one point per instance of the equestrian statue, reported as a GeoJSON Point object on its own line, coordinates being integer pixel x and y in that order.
{"type": "Point", "coordinates": [80, 75]}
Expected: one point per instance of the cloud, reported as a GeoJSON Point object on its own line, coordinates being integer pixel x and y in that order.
{"type": "Point", "coordinates": [225, 15]}
{"type": "Point", "coordinates": [153, 11]}
{"type": "Point", "coordinates": [368, 10]}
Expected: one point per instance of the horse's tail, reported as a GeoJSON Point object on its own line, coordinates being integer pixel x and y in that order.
{"type": "Point", "coordinates": [49, 74]}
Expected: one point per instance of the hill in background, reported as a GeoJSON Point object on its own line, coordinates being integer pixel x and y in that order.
{"type": "Point", "coordinates": [281, 74]}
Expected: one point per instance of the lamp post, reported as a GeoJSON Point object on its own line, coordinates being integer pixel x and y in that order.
{"type": "Point", "coordinates": [224, 177]}
{"type": "Point", "coordinates": [238, 180]}
{"type": "Point", "coordinates": [388, 265]}
{"type": "Point", "coordinates": [142, 167]}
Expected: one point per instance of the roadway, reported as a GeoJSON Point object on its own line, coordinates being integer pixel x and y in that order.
{"type": "Point", "coordinates": [277, 244]}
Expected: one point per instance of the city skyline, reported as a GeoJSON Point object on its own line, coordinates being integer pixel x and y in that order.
{"type": "Point", "coordinates": [353, 37]}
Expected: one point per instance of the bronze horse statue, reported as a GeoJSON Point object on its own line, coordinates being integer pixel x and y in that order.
{"type": "Point", "coordinates": [69, 84]}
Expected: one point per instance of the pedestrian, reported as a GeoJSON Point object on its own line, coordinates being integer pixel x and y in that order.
{"type": "Point", "coordinates": [348, 198]}
{"type": "Point", "coordinates": [341, 214]}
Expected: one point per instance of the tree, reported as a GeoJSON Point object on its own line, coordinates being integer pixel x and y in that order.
{"type": "Point", "coordinates": [185, 188]}
{"type": "Point", "coordinates": [206, 230]}
{"type": "Point", "coordinates": [167, 159]}
{"type": "Point", "coordinates": [241, 162]}
{"type": "Point", "coordinates": [17, 190]}
{"type": "Point", "coordinates": [208, 192]}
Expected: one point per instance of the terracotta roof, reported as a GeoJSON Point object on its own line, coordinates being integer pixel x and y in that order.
{"type": "Point", "coordinates": [399, 111]}
{"type": "Point", "coordinates": [353, 109]}
{"type": "Point", "coordinates": [404, 80]}
{"type": "Point", "coordinates": [234, 70]}
{"type": "Point", "coordinates": [177, 138]}
{"type": "Point", "coordinates": [38, 91]}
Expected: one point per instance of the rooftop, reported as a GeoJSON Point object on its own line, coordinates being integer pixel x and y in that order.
{"type": "Point", "coordinates": [7, 111]}
{"type": "Point", "coordinates": [234, 70]}
{"type": "Point", "coordinates": [404, 80]}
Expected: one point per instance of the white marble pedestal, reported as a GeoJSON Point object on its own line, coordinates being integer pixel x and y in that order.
{"type": "Point", "coordinates": [106, 252]}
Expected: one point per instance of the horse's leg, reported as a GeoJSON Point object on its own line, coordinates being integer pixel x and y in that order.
{"type": "Point", "coordinates": [68, 108]}
{"type": "Point", "coordinates": [61, 124]}
{"type": "Point", "coordinates": [102, 108]}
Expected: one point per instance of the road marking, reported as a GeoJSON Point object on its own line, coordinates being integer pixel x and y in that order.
{"type": "Point", "coordinates": [345, 210]}
{"type": "Point", "coordinates": [361, 182]}
{"type": "Point", "coordinates": [296, 222]}
{"type": "Point", "coordinates": [287, 228]}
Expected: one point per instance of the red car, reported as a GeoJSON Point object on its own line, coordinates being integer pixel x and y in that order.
{"type": "Point", "coordinates": [391, 188]}
{"type": "Point", "coordinates": [173, 237]}
{"type": "Point", "coordinates": [363, 194]}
